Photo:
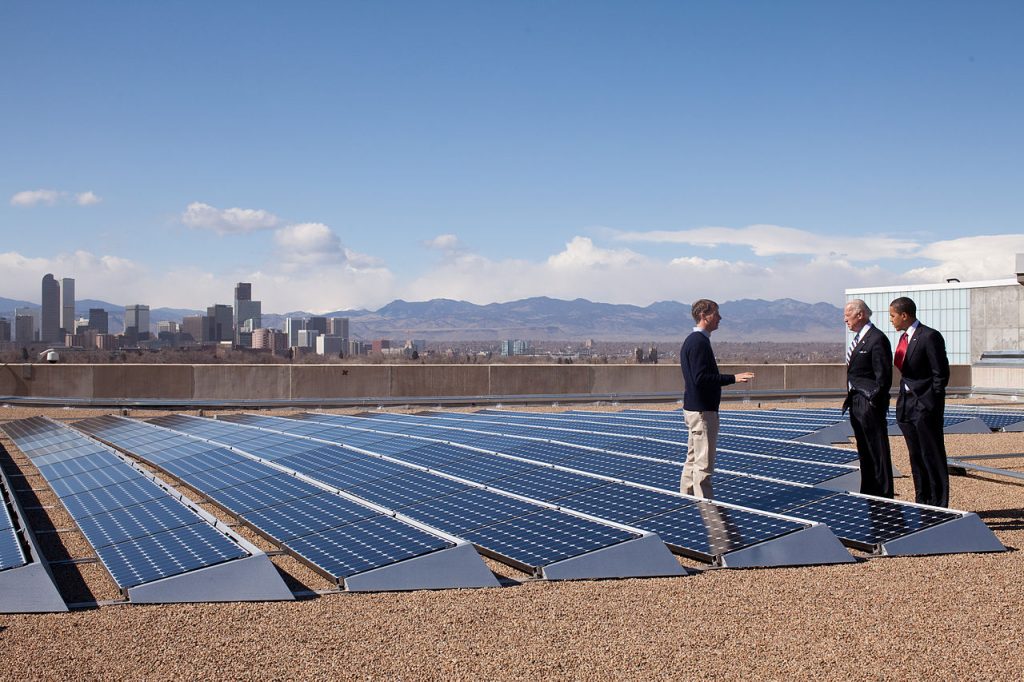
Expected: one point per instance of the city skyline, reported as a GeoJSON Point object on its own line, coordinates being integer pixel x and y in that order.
{"type": "Point", "coordinates": [339, 157]}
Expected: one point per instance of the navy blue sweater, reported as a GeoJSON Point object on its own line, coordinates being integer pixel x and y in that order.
{"type": "Point", "coordinates": [703, 383]}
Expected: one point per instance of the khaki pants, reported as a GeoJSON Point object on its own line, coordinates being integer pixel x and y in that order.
{"type": "Point", "coordinates": [700, 453]}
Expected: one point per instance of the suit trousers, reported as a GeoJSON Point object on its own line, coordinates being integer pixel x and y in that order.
{"type": "Point", "coordinates": [700, 453]}
{"type": "Point", "coordinates": [871, 430]}
{"type": "Point", "coordinates": [927, 458]}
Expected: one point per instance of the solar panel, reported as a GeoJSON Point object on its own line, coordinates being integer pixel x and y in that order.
{"type": "Point", "coordinates": [707, 530]}
{"type": "Point", "coordinates": [307, 515]}
{"type": "Point", "coordinates": [563, 537]}
{"type": "Point", "coordinates": [172, 552]}
{"type": "Point", "coordinates": [333, 533]}
{"type": "Point", "coordinates": [136, 521]}
{"type": "Point", "coordinates": [469, 509]}
{"type": "Point", "coordinates": [11, 554]}
{"type": "Point", "coordinates": [887, 519]}
{"type": "Point", "coordinates": [356, 547]}
{"type": "Point", "coordinates": [139, 532]}
{"type": "Point", "coordinates": [754, 493]}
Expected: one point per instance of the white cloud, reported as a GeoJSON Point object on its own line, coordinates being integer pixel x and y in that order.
{"type": "Point", "coordinates": [51, 197]}
{"type": "Point", "coordinates": [308, 244]}
{"type": "Point", "coordinates": [36, 196]}
{"type": "Point", "coordinates": [580, 252]}
{"type": "Point", "coordinates": [200, 216]}
{"type": "Point", "coordinates": [444, 242]}
{"type": "Point", "coordinates": [970, 258]}
{"type": "Point", "coordinates": [774, 240]}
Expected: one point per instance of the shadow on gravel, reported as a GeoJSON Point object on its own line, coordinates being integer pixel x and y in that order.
{"type": "Point", "coordinates": [1003, 519]}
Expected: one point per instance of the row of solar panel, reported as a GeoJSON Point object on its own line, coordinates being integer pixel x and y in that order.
{"type": "Point", "coordinates": [336, 534]}
{"type": "Point", "coordinates": [858, 520]}
{"type": "Point", "coordinates": [682, 525]}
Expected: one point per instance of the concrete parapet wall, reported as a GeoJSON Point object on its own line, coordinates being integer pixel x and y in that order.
{"type": "Point", "coordinates": [296, 382]}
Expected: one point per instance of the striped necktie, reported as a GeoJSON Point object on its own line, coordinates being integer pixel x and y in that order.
{"type": "Point", "coordinates": [853, 344]}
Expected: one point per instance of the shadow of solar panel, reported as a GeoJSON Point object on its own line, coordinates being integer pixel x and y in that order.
{"type": "Point", "coordinates": [485, 468]}
{"type": "Point", "coordinates": [869, 521]}
{"type": "Point", "coordinates": [95, 478]}
{"type": "Point", "coordinates": [11, 555]}
{"type": "Point", "coordinates": [101, 500]}
{"type": "Point", "coordinates": [307, 515]}
{"type": "Point", "coordinates": [765, 495]}
{"type": "Point", "coordinates": [128, 523]}
{"type": "Point", "coordinates": [78, 465]}
{"type": "Point", "coordinates": [212, 458]}
{"type": "Point", "coordinates": [547, 484]}
{"type": "Point", "coordinates": [467, 510]}
{"type": "Point", "coordinates": [708, 530]}
{"type": "Point", "coordinates": [435, 455]}
{"type": "Point", "coordinates": [544, 537]}
{"type": "Point", "coordinates": [265, 492]}
{"type": "Point", "coordinates": [357, 547]}
{"type": "Point", "coordinates": [810, 473]}
{"type": "Point", "coordinates": [172, 552]}
{"type": "Point", "coordinates": [228, 476]}
{"type": "Point", "coordinates": [622, 503]}
{"type": "Point", "coordinates": [411, 487]}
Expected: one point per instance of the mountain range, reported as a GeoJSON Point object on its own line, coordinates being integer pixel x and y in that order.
{"type": "Point", "coordinates": [542, 319]}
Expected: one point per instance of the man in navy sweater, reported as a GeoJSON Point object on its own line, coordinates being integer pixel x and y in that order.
{"type": "Point", "coordinates": [701, 397]}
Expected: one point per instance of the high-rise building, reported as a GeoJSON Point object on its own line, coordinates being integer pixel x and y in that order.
{"type": "Point", "coordinates": [332, 346]}
{"type": "Point", "coordinates": [246, 309]}
{"type": "Point", "coordinates": [98, 320]}
{"type": "Point", "coordinates": [317, 323]}
{"type": "Point", "coordinates": [269, 339]}
{"type": "Point", "coordinates": [5, 329]}
{"type": "Point", "coordinates": [199, 327]}
{"type": "Point", "coordinates": [167, 327]}
{"type": "Point", "coordinates": [222, 321]}
{"type": "Point", "coordinates": [378, 345]}
{"type": "Point", "coordinates": [67, 305]}
{"type": "Point", "coordinates": [307, 338]}
{"type": "Point", "coordinates": [292, 325]}
{"type": "Point", "coordinates": [50, 324]}
{"type": "Point", "coordinates": [34, 314]}
{"type": "Point", "coordinates": [136, 317]}
{"type": "Point", "coordinates": [24, 328]}
{"type": "Point", "coordinates": [338, 326]}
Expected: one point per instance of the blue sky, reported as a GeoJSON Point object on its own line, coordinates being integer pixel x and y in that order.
{"type": "Point", "coordinates": [342, 154]}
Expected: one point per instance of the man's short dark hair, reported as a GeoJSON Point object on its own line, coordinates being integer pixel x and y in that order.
{"type": "Point", "coordinates": [702, 307]}
{"type": "Point", "coordinates": [904, 305]}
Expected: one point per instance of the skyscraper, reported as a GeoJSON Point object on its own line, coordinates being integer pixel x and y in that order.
{"type": "Point", "coordinates": [338, 326]}
{"type": "Point", "coordinates": [98, 320]}
{"type": "Point", "coordinates": [136, 317]}
{"type": "Point", "coordinates": [292, 325]}
{"type": "Point", "coordinates": [5, 329]}
{"type": "Point", "coordinates": [50, 327]}
{"type": "Point", "coordinates": [222, 316]}
{"type": "Point", "coordinates": [246, 309]}
{"type": "Point", "coordinates": [67, 305]}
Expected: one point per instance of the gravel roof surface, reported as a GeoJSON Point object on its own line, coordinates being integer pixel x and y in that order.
{"type": "Point", "coordinates": [911, 617]}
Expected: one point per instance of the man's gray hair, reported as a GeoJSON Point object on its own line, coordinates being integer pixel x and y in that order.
{"type": "Point", "coordinates": [859, 305]}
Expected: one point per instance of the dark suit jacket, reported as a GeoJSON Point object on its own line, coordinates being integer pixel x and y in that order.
{"type": "Point", "coordinates": [926, 374]}
{"type": "Point", "coordinates": [870, 369]}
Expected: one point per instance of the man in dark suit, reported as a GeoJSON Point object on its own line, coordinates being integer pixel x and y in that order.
{"type": "Point", "coordinates": [868, 380]}
{"type": "Point", "coordinates": [921, 358]}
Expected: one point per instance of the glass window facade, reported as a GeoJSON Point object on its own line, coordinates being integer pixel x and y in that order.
{"type": "Point", "coordinates": [946, 308]}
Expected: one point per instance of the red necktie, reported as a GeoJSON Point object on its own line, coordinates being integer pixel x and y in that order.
{"type": "Point", "coordinates": [901, 352]}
